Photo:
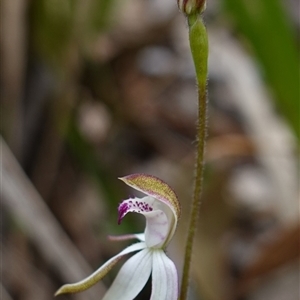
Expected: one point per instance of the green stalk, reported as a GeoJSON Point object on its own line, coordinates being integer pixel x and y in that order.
{"type": "Point", "coordinates": [199, 49]}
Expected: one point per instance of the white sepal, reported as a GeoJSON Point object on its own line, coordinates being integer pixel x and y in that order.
{"type": "Point", "coordinates": [164, 277]}
{"type": "Point", "coordinates": [100, 273]}
{"type": "Point", "coordinates": [132, 277]}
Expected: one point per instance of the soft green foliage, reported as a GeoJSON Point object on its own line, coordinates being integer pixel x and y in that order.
{"type": "Point", "coordinates": [52, 23]}
{"type": "Point", "coordinates": [265, 23]}
{"type": "Point", "coordinates": [100, 14]}
{"type": "Point", "coordinates": [57, 26]}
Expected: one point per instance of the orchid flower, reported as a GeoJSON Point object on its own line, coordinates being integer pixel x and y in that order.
{"type": "Point", "coordinates": [161, 209]}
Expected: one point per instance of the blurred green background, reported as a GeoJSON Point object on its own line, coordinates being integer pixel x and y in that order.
{"type": "Point", "coordinates": [92, 90]}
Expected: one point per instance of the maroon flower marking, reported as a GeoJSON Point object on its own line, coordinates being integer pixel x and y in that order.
{"type": "Point", "coordinates": [134, 206]}
{"type": "Point", "coordinates": [123, 207]}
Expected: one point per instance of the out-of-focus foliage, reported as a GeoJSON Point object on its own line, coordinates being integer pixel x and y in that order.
{"type": "Point", "coordinates": [272, 38]}
{"type": "Point", "coordinates": [57, 26]}
{"type": "Point", "coordinates": [52, 28]}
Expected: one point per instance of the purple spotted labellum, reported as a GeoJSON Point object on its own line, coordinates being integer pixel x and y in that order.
{"type": "Point", "coordinates": [161, 209]}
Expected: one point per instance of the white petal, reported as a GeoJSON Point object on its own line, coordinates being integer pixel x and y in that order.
{"type": "Point", "coordinates": [100, 273]}
{"type": "Point", "coordinates": [164, 277]}
{"type": "Point", "coordinates": [125, 237]}
{"type": "Point", "coordinates": [140, 236]}
{"type": "Point", "coordinates": [132, 277]}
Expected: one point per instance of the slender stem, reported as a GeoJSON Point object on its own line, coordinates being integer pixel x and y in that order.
{"type": "Point", "coordinates": [199, 49]}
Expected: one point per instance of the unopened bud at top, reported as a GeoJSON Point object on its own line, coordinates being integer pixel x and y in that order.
{"type": "Point", "coordinates": [189, 7]}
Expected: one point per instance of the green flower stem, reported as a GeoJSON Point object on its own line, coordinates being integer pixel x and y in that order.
{"type": "Point", "coordinates": [199, 49]}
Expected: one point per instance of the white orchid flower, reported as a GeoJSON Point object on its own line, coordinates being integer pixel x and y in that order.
{"type": "Point", "coordinates": [161, 209]}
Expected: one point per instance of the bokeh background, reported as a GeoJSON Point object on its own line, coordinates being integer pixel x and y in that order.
{"type": "Point", "coordinates": [92, 90]}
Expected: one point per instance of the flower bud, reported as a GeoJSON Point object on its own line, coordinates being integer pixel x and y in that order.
{"type": "Point", "coordinates": [189, 7]}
